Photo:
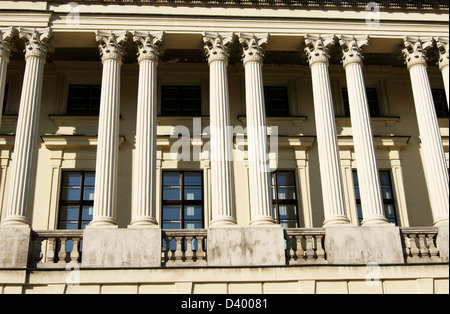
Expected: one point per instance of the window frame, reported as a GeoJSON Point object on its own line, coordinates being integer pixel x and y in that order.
{"type": "Point", "coordinates": [80, 203]}
{"type": "Point", "coordinates": [346, 100]}
{"type": "Point", "coordinates": [391, 201]}
{"type": "Point", "coordinates": [267, 101]}
{"type": "Point", "coordinates": [182, 203]}
{"type": "Point", "coordinates": [441, 113]}
{"type": "Point", "coordinates": [277, 202]}
{"type": "Point", "coordinates": [180, 112]}
{"type": "Point", "coordinates": [89, 107]}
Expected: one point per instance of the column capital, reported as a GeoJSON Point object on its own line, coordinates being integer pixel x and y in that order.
{"type": "Point", "coordinates": [6, 35]}
{"type": "Point", "coordinates": [36, 41]}
{"type": "Point", "coordinates": [110, 44]}
{"type": "Point", "coordinates": [148, 44]}
{"type": "Point", "coordinates": [217, 45]}
{"type": "Point", "coordinates": [442, 44]}
{"type": "Point", "coordinates": [415, 51]}
{"type": "Point", "coordinates": [253, 46]}
{"type": "Point", "coordinates": [352, 48]}
{"type": "Point", "coordinates": [317, 47]}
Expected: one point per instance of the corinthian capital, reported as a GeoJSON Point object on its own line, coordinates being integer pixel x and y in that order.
{"type": "Point", "coordinates": [317, 48]}
{"type": "Point", "coordinates": [5, 42]}
{"type": "Point", "coordinates": [254, 46]}
{"type": "Point", "coordinates": [217, 45]}
{"type": "Point", "coordinates": [110, 44]}
{"type": "Point", "coordinates": [442, 44]}
{"type": "Point", "coordinates": [148, 44]}
{"type": "Point", "coordinates": [36, 41]}
{"type": "Point", "coordinates": [352, 48]}
{"type": "Point", "coordinates": [415, 51]}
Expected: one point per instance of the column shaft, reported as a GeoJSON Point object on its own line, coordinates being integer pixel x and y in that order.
{"type": "Point", "coordinates": [144, 172]}
{"type": "Point", "coordinates": [330, 166]}
{"type": "Point", "coordinates": [433, 155]}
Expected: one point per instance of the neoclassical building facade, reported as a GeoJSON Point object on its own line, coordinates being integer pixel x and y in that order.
{"type": "Point", "coordinates": [224, 146]}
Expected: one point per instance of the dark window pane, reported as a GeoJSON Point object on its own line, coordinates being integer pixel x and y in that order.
{"type": "Point", "coordinates": [192, 178]}
{"type": "Point", "coordinates": [284, 199]}
{"type": "Point", "coordinates": [171, 213]}
{"type": "Point", "coordinates": [372, 100]}
{"type": "Point", "coordinates": [193, 193]}
{"type": "Point", "coordinates": [72, 179]}
{"type": "Point", "coordinates": [181, 100]}
{"type": "Point", "coordinates": [69, 213]}
{"type": "Point", "coordinates": [276, 101]}
{"type": "Point", "coordinates": [440, 103]}
{"type": "Point", "coordinates": [171, 179]}
{"type": "Point", "coordinates": [83, 100]}
{"type": "Point", "coordinates": [193, 213]}
{"type": "Point", "coordinates": [70, 194]}
{"type": "Point", "coordinates": [171, 193]}
{"type": "Point", "coordinates": [171, 225]}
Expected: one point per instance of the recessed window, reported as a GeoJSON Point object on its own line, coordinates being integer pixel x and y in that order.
{"type": "Point", "coordinates": [276, 101]}
{"type": "Point", "coordinates": [181, 101]}
{"type": "Point", "coordinates": [76, 200]}
{"type": "Point", "coordinates": [284, 199]}
{"type": "Point", "coordinates": [84, 100]}
{"type": "Point", "coordinates": [387, 193]}
{"type": "Point", "coordinates": [372, 99]}
{"type": "Point", "coordinates": [440, 103]}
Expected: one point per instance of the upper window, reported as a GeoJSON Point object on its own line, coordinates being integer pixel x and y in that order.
{"type": "Point", "coordinates": [181, 101]}
{"type": "Point", "coordinates": [440, 103]}
{"type": "Point", "coordinates": [77, 200]}
{"type": "Point", "coordinates": [276, 101]}
{"type": "Point", "coordinates": [182, 201]}
{"type": "Point", "coordinates": [84, 100]}
{"type": "Point", "coordinates": [387, 193]}
{"type": "Point", "coordinates": [372, 99]}
{"type": "Point", "coordinates": [284, 199]}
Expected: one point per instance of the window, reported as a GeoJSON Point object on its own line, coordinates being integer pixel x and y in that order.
{"type": "Point", "coordinates": [284, 199]}
{"type": "Point", "coordinates": [277, 101]}
{"type": "Point", "coordinates": [440, 103]}
{"type": "Point", "coordinates": [182, 200]}
{"type": "Point", "coordinates": [372, 99]}
{"type": "Point", "coordinates": [77, 200]}
{"type": "Point", "coordinates": [5, 97]}
{"type": "Point", "coordinates": [387, 193]}
{"type": "Point", "coordinates": [84, 100]}
{"type": "Point", "coordinates": [181, 101]}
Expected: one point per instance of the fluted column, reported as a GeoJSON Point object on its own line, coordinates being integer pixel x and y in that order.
{"type": "Point", "coordinates": [222, 173]}
{"type": "Point", "coordinates": [259, 175]}
{"type": "Point", "coordinates": [330, 165]}
{"type": "Point", "coordinates": [105, 199]}
{"type": "Point", "coordinates": [5, 52]}
{"type": "Point", "coordinates": [144, 168]}
{"type": "Point", "coordinates": [442, 44]}
{"type": "Point", "coordinates": [433, 156]}
{"type": "Point", "coordinates": [368, 175]}
{"type": "Point", "coordinates": [36, 42]}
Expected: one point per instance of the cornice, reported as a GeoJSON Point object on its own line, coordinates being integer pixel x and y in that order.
{"type": "Point", "coordinates": [390, 5]}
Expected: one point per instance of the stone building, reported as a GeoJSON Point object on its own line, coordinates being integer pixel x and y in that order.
{"type": "Point", "coordinates": [175, 146]}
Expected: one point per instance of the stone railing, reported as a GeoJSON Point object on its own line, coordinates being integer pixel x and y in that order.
{"type": "Point", "coordinates": [184, 248]}
{"type": "Point", "coordinates": [56, 248]}
{"type": "Point", "coordinates": [419, 244]}
{"type": "Point", "coordinates": [305, 246]}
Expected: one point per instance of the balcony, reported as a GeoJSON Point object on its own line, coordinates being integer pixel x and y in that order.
{"type": "Point", "coordinates": [62, 249]}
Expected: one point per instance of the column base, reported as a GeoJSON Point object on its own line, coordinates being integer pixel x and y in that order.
{"type": "Point", "coordinates": [16, 221]}
{"type": "Point", "coordinates": [103, 222]}
{"type": "Point", "coordinates": [251, 246]}
{"type": "Point", "coordinates": [124, 248]}
{"type": "Point", "coordinates": [339, 220]}
{"type": "Point", "coordinates": [263, 221]}
{"type": "Point", "coordinates": [223, 221]}
{"type": "Point", "coordinates": [143, 223]}
{"type": "Point", "coordinates": [350, 245]}
{"type": "Point", "coordinates": [375, 220]}
{"type": "Point", "coordinates": [15, 244]}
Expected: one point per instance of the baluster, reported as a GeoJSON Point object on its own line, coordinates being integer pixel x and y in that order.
{"type": "Point", "coordinates": [189, 254]}
{"type": "Point", "coordinates": [201, 254]}
{"type": "Point", "coordinates": [414, 249]}
{"type": "Point", "coordinates": [422, 246]}
{"type": "Point", "coordinates": [290, 248]}
{"type": "Point", "coordinates": [167, 249]}
{"type": "Point", "coordinates": [50, 258]}
{"type": "Point", "coordinates": [299, 252]}
{"type": "Point", "coordinates": [407, 245]}
{"type": "Point", "coordinates": [74, 255]}
{"type": "Point", "coordinates": [433, 250]}
{"type": "Point", "coordinates": [320, 251]}
{"type": "Point", "coordinates": [309, 247]}
{"type": "Point", "coordinates": [179, 248]}
{"type": "Point", "coordinates": [62, 251]}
